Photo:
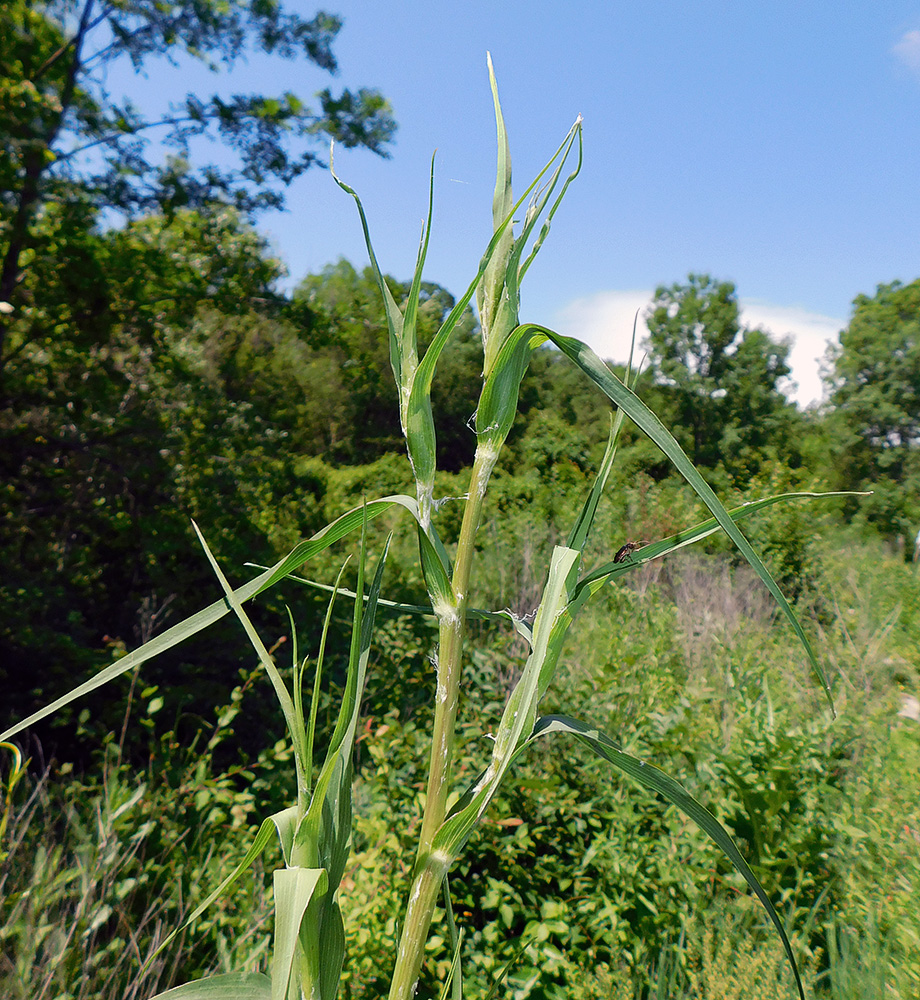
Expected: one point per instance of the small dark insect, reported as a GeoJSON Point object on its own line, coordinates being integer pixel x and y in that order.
{"type": "Point", "coordinates": [627, 550]}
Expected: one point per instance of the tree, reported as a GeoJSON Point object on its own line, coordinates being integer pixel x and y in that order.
{"type": "Point", "coordinates": [65, 141]}
{"type": "Point", "coordinates": [125, 427]}
{"type": "Point", "coordinates": [875, 400]}
{"type": "Point", "coordinates": [348, 332]}
{"type": "Point", "coordinates": [717, 380]}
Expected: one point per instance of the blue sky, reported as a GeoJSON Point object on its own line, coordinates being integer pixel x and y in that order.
{"type": "Point", "coordinates": [773, 144]}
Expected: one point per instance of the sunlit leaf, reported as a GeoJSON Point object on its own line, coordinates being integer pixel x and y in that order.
{"type": "Point", "coordinates": [294, 888]}
{"type": "Point", "coordinates": [233, 986]}
{"type": "Point", "coordinates": [656, 780]}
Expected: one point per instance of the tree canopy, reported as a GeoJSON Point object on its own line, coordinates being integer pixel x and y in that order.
{"type": "Point", "coordinates": [72, 146]}
{"type": "Point", "coordinates": [875, 395]}
{"type": "Point", "coordinates": [718, 381]}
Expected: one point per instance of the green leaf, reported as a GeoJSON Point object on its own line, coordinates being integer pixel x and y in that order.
{"type": "Point", "coordinates": [281, 692]}
{"type": "Point", "coordinates": [331, 947]}
{"type": "Point", "coordinates": [498, 295]}
{"type": "Point", "coordinates": [578, 536]}
{"type": "Point", "coordinates": [342, 741]}
{"type": "Point", "coordinates": [594, 581]}
{"type": "Point", "coordinates": [323, 835]}
{"type": "Point", "coordinates": [393, 314]}
{"type": "Point", "coordinates": [520, 710]}
{"type": "Point", "coordinates": [233, 986]}
{"type": "Point", "coordinates": [455, 975]}
{"type": "Point", "coordinates": [310, 727]}
{"type": "Point", "coordinates": [294, 888]}
{"type": "Point", "coordinates": [479, 614]}
{"type": "Point", "coordinates": [656, 780]}
{"type": "Point", "coordinates": [500, 394]}
{"type": "Point", "coordinates": [283, 824]}
{"type": "Point", "coordinates": [415, 415]}
{"type": "Point", "coordinates": [489, 290]}
{"type": "Point", "coordinates": [332, 533]}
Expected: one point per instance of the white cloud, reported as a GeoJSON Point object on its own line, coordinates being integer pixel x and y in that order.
{"type": "Point", "coordinates": [605, 322]}
{"type": "Point", "coordinates": [907, 50]}
{"type": "Point", "coordinates": [809, 332]}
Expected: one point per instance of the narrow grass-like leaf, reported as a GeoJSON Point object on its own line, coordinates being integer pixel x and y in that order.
{"type": "Point", "coordinates": [519, 713]}
{"type": "Point", "coordinates": [540, 203]}
{"type": "Point", "coordinates": [294, 888]}
{"type": "Point", "coordinates": [578, 536]}
{"type": "Point", "coordinates": [594, 581]}
{"type": "Point", "coordinates": [354, 686]}
{"type": "Point", "coordinates": [453, 984]}
{"type": "Point", "coordinates": [656, 780]}
{"type": "Point", "coordinates": [343, 737]}
{"type": "Point", "coordinates": [455, 975]}
{"type": "Point", "coordinates": [523, 944]}
{"type": "Point", "coordinates": [280, 823]}
{"type": "Point", "coordinates": [302, 552]}
{"type": "Point", "coordinates": [597, 578]}
{"type": "Point", "coordinates": [495, 263]}
{"type": "Point", "coordinates": [232, 986]}
{"type": "Point", "coordinates": [323, 835]}
{"type": "Point", "coordinates": [415, 414]}
{"type": "Point", "coordinates": [310, 734]}
{"type": "Point", "coordinates": [284, 697]}
{"type": "Point", "coordinates": [393, 315]}
{"type": "Point", "coordinates": [424, 610]}
{"type": "Point", "coordinates": [500, 396]}
{"type": "Point", "coordinates": [489, 289]}
{"type": "Point", "coordinates": [410, 316]}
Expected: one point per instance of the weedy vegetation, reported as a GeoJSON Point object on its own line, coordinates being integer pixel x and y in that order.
{"type": "Point", "coordinates": [350, 849]}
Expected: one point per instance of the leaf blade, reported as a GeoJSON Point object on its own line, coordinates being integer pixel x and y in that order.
{"type": "Point", "coordinates": [231, 986]}
{"type": "Point", "coordinates": [301, 553]}
{"type": "Point", "coordinates": [654, 779]}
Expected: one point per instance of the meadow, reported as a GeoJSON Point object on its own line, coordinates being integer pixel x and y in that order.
{"type": "Point", "coordinates": [587, 888]}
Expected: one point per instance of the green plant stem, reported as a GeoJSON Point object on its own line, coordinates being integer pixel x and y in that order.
{"type": "Point", "coordinates": [429, 869]}
{"type": "Point", "coordinates": [450, 650]}
{"type": "Point", "coordinates": [426, 888]}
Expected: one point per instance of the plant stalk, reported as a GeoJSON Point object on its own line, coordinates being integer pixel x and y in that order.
{"type": "Point", "coordinates": [429, 869]}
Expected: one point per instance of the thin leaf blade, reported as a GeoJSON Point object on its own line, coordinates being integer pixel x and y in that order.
{"type": "Point", "coordinates": [654, 779]}
{"type": "Point", "coordinates": [231, 986]}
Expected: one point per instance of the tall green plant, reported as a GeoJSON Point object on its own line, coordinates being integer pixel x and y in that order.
{"type": "Point", "coordinates": [314, 832]}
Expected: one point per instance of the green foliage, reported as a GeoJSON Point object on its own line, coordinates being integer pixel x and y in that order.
{"type": "Point", "coordinates": [98, 869]}
{"type": "Point", "coordinates": [564, 825]}
{"type": "Point", "coordinates": [623, 880]}
{"type": "Point", "coordinates": [52, 56]}
{"type": "Point", "coordinates": [124, 429]}
{"type": "Point", "coordinates": [600, 876]}
{"type": "Point", "coordinates": [58, 114]}
{"type": "Point", "coordinates": [876, 399]}
{"type": "Point", "coordinates": [717, 382]}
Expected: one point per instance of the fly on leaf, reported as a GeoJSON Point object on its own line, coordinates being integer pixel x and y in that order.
{"type": "Point", "coordinates": [627, 550]}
